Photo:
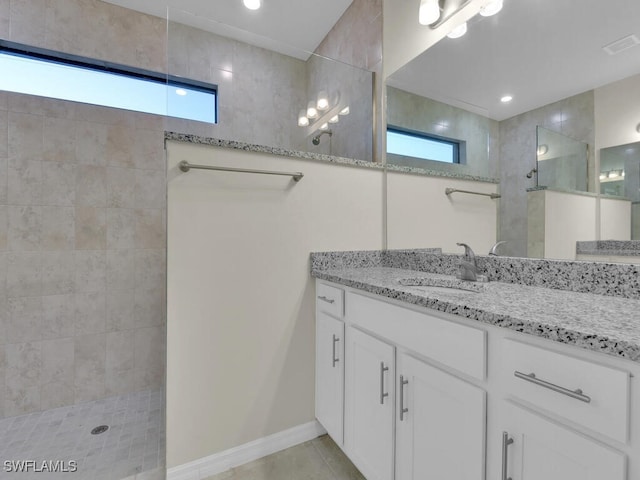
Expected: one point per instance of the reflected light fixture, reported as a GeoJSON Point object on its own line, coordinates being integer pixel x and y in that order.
{"type": "Point", "coordinates": [323, 101]}
{"type": "Point", "coordinates": [542, 149]}
{"type": "Point", "coordinates": [603, 176]}
{"type": "Point", "coordinates": [311, 110]}
{"type": "Point", "coordinates": [344, 111]}
{"type": "Point", "coordinates": [459, 31]}
{"type": "Point", "coordinates": [506, 99]}
{"type": "Point", "coordinates": [334, 119]}
{"type": "Point", "coordinates": [491, 8]}
{"type": "Point", "coordinates": [614, 174]}
{"type": "Point", "coordinates": [324, 126]}
{"type": "Point", "coordinates": [303, 121]}
{"type": "Point", "coordinates": [429, 12]}
{"type": "Point", "coordinates": [252, 4]}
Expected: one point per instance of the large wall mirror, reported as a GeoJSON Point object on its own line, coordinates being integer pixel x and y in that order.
{"type": "Point", "coordinates": [573, 75]}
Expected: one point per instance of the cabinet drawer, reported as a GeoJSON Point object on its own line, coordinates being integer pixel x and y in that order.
{"type": "Point", "coordinates": [330, 299]}
{"type": "Point", "coordinates": [589, 394]}
{"type": "Point", "coordinates": [457, 346]}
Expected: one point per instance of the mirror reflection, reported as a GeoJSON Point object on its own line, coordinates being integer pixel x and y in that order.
{"type": "Point", "coordinates": [549, 86]}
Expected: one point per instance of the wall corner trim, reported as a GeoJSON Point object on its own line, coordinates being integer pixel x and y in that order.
{"type": "Point", "coordinates": [234, 457]}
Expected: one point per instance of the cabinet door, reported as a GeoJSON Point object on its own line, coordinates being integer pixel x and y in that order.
{"type": "Point", "coordinates": [440, 424]}
{"type": "Point", "coordinates": [330, 374]}
{"type": "Point", "coordinates": [544, 450]}
{"type": "Point", "coordinates": [369, 400]}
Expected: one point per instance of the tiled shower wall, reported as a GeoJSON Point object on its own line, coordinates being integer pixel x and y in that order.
{"type": "Point", "coordinates": [82, 220]}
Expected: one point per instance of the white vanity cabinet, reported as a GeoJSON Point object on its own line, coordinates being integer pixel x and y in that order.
{"type": "Point", "coordinates": [440, 426]}
{"type": "Point", "coordinates": [369, 401]}
{"type": "Point", "coordinates": [535, 448]}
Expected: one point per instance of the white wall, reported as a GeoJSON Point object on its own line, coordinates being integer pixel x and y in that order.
{"type": "Point", "coordinates": [616, 113]}
{"type": "Point", "coordinates": [615, 219]}
{"type": "Point", "coordinates": [240, 358]}
{"type": "Point", "coordinates": [420, 215]}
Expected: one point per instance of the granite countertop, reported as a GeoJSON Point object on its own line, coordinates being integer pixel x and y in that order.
{"type": "Point", "coordinates": [629, 248]}
{"type": "Point", "coordinates": [601, 323]}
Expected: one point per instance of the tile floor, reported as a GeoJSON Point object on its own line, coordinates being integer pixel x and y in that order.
{"type": "Point", "coordinates": [318, 459]}
{"type": "Point", "coordinates": [132, 448]}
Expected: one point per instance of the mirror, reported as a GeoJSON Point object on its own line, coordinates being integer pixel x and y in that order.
{"type": "Point", "coordinates": [573, 75]}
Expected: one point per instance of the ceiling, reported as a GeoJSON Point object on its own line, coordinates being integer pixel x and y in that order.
{"type": "Point", "coordinates": [294, 28]}
{"type": "Point", "coordinates": [538, 51]}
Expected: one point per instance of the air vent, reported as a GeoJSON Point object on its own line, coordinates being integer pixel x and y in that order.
{"type": "Point", "coordinates": [620, 45]}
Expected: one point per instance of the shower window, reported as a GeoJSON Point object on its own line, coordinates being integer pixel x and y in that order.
{"type": "Point", "coordinates": [422, 145]}
{"type": "Point", "coordinates": [46, 73]}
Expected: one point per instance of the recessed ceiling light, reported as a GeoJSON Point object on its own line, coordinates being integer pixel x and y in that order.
{"type": "Point", "coordinates": [252, 4]}
{"type": "Point", "coordinates": [506, 99]}
{"type": "Point", "coordinates": [181, 91]}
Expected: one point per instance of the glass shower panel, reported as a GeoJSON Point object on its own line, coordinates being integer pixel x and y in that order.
{"type": "Point", "coordinates": [562, 162]}
{"type": "Point", "coordinates": [271, 94]}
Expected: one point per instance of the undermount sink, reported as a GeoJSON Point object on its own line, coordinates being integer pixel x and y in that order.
{"type": "Point", "coordinates": [446, 285]}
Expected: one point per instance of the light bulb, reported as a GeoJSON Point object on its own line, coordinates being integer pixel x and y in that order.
{"type": "Point", "coordinates": [344, 111]}
{"type": "Point", "coordinates": [614, 174]}
{"type": "Point", "coordinates": [491, 8]}
{"type": "Point", "coordinates": [324, 126]}
{"type": "Point", "coordinates": [429, 12]}
{"type": "Point", "coordinates": [323, 102]}
{"type": "Point", "coordinates": [252, 4]}
{"type": "Point", "coordinates": [334, 119]}
{"type": "Point", "coordinates": [459, 31]}
{"type": "Point", "coordinates": [506, 99]}
{"type": "Point", "coordinates": [311, 110]}
{"type": "Point", "coordinates": [603, 176]}
{"type": "Point", "coordinates": [303, 121]}
{"type": "Point", "coordinates": [623, 173]}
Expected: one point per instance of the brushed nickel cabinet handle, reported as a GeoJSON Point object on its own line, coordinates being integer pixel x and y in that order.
{"type": "Point", "coordinates": [325, 299]}
{"type": "Point", "coordinates": [531, 377]}
{"type": "Point", "coordinates": [334, 359]}
{"type": "Point", "coordinates": [506, 441]}
{"type": "Point", "coordinates": [383, 394]}
{"type": "Point", "coordinates": [403, 410]}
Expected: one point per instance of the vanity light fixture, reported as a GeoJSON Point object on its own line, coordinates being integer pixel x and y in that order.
{"type": "Point", "coordinates": [542, 149]}
{"type": "Point", "coordinates": [459, 31]}
{"type": "Point", "coordinates": [506, 99]}
{"type": "Point", "coordinates": [303, 121]}
{"type": "Point", "coordinates": [252, 4]}
{"type": "Point", "coordinates": [603, 176]}
{"type": "Point", "coordinates": [334, 119]}
{"type": "Point", "coordinates": [429, 12]}
{"type": "Point", "coordinates": [491, 8]}
{"type": "Point", "coordinates": [324, 126]}
{"type": "Point", "coordinates": [323, 101]}
{"type": "Point", "coordinates": [312, 112]}
{"type": "Point", "coordinates": [344, 111]}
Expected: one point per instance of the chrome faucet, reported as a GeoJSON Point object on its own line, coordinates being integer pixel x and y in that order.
{"type": "Point", "coordinates": [468, 266]}
{"type": "Point", "coordinates": [494, 249]}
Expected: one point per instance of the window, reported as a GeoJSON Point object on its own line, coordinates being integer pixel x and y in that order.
{"type": "Point", "coordinates": [423, 145]}
{"type": "Point", "coordinates": [46, 73]}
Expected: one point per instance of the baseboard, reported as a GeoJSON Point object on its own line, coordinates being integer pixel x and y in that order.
{"type": "Point", "coordinates": [223, 461]}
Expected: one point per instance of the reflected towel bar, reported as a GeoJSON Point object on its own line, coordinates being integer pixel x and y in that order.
{"type": "Point", "coordinates": [186, 166]}
{"type": "Point", "coordinates": [449, 191]}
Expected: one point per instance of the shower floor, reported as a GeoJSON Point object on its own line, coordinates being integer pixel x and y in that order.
{"type": "Point", "coordinates": [132, 448]}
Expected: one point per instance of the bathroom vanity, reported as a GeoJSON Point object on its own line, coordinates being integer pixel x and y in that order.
{"type": "Point", "coordinates": [420, 376]}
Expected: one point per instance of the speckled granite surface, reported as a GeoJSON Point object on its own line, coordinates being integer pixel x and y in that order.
{"type": "Point", "coordinates": [609, 247]}
{"type": "Point", "coordinates": [604, 324]}
{"type": "Point", "coordinates": [283, 152]}
{"type": "Point", "coordinates": [612, 279]}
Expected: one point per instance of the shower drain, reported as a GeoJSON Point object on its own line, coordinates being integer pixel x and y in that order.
{"type": "Point", "coordinates": [100, 429]}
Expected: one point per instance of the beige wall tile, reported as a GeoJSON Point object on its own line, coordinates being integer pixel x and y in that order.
{"type": "Point", "coordinates": [24, 364]}
{"type": "Point", "coordinates": [91, 186]}
{"type": "Point", "coordinates": [150, 189]}
{"type": "Point", "coordinates": [46, 107]}
{"type": "Point", "coordinates": [5, 9]}
{"type": "Point", "coordinates": [120, 348]}
{"type": "Point", "coordinates": [91, 228]}
{"type": "Point", "coordinates": [58, 228]}
{"type": "Point", "coordinates": [61, 20]}
{"type": "Point", "coordinates": [4, 183]}
{"type": "Point", "coordinates": [121, 187]}
{"type": "Point", "coordinates": [120, 146]}
{"type": "Point", "coordinates": [150, 228]}
{"type": "Point", "coordinates": [118, 383]}
{"type": "Point", "coordinates": [25, 228]}
{"type": "Point", "coordinates": [121, 224]}
{"type": "Point", "coordinates": [3, 369]}
{"type": "Point", "coordinates": [24, 319]}
{"type": "Point", "coordinates": [58, 361]}
{"type": "Point", "coordinates": [24, 274]}
{"type": "Point", "coordinates": [4, 133]}
{"type": "Point", "coordinates": [24, 181]}
{"type": "Point", "coordinates": [27, 22]}
{"type": "Point", "coordinates": [58, 273]}
{"type": "Point", "coordinates": [91, 313]}
{"type": "Point", "coordinates": [89, 371]}
{"type": "Point", "coordinates": [58, 184]}
{"type": "Point", "coordinates": [150, 270]}
{"type": "Point", "coordinates": [149, 307]}
{"type": "Point", "coordinates": [91, 144]}
{"type": "Point", "coordinates": [120, 270]}
{"type": "Point", "coordinates": [21, 400]}
{"type": "Point", "coordinates": [150, 346]}
{"type": "Point", "coordinates": [58, 316]}
{"type": "Point", "coordinates": [60, 140]}
{"type": "Point", "coordinates": [90, 271]}
{"type": "Point", "coordinates": [4, 226]}
{"type": "Point", "coordinates": [149, 150]}
{"type": "Point", "coordinates": [120, 311]}
{"type": "Point", "coordinates": [56, 394]}
{"type": "Point", "coordinates": [25, 136]}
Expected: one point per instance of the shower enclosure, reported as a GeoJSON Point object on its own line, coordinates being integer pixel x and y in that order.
{"type": "Point", "coordinates": [562, 162]}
